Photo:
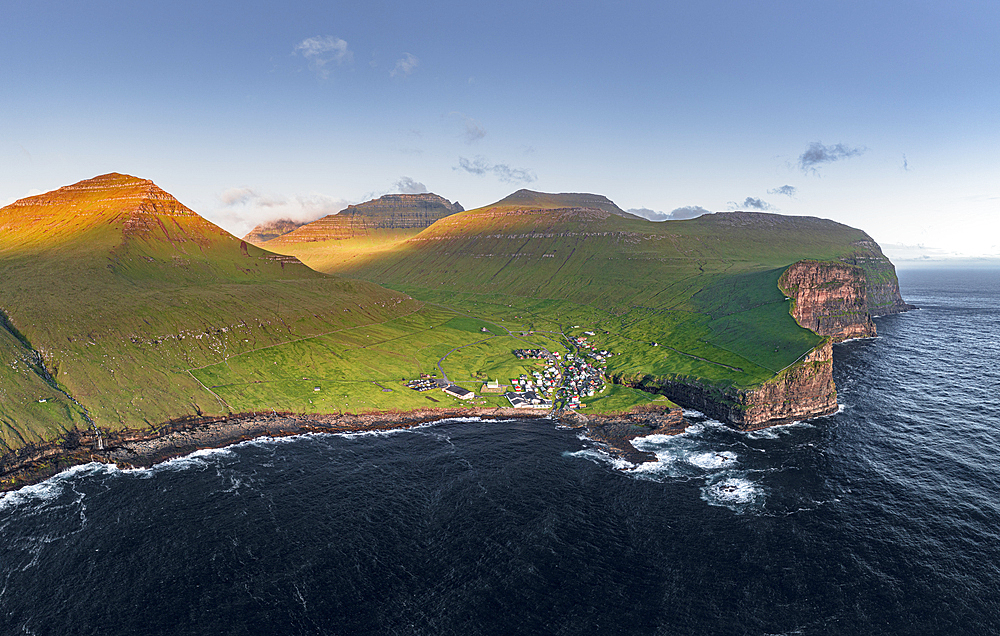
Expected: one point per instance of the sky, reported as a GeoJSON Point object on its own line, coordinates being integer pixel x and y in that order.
{"type": "Point", "coordinates": [879, 115]}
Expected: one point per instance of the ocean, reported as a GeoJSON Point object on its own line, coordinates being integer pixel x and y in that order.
{"type": "Point", "coordinates": [881, 519]}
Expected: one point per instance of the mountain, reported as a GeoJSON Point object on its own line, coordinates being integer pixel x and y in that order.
{"type": "Point", "coordinates": [271, 229]}
{"type": "Point", "coordinates": [111, 291]}
{"type": "Point", "coordinates": [709, 290]}
{"type": "Point", "coordinates": [529, 199]}
{"type": "Point", "coordinates": [366, 228]}
{"type": "Point", "coordinates": [390, 212]}
{"type": "Point", "coordinates": [123, 312]}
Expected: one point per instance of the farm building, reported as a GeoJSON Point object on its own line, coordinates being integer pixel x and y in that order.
{"type": "Point", "coordinates": [456, 391]}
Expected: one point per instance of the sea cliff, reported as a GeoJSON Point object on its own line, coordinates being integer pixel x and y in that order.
{"type": "Point", "coordinates": [834, 299]}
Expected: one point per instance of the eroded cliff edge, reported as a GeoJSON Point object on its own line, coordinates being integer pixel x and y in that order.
{"type": "Point", "coordinates": [834, 299]}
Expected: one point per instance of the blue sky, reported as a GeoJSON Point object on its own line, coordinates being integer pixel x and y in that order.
{"type": "Point", "coordinates": [879, 115]}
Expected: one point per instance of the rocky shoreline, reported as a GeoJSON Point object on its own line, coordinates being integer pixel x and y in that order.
{"type": "Point", "coordinates": [130, 448]}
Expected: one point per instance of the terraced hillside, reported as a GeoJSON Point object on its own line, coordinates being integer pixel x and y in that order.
{"type": "Point", "coordinates": [111, 291]}
{"type": "Point", "coordinates": [693, 306]}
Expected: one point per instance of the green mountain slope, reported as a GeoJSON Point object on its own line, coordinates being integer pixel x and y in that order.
{"type": "Point", "coordinates": [116, 291]}
{"type": "Point", "coordinates": [705, 290]}
{"type": "Point", "coordinates": [373, 226]}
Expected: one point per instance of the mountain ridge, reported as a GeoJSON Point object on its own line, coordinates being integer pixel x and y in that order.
{"type": "Point", "coordinates": [388, 212]}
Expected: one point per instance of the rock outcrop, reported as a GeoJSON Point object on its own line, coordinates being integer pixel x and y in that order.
{"type": "Point", "coordinates": [835, 299]}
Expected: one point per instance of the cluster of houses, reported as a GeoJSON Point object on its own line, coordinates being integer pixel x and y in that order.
{"type": "Point", "coordinates": [581, 343]}
{"type": "Point", "coordinates": [532, 354]}
{"type": "Point", "coordinates": [426, 384]}
{"type": "Point", "coordinates": [527, 400]}
{"type": "Point", "coordinates": [545, 381]}
{"type": "Point", "coordinates": [582, 380]}
{"type": "Point", "coordinates": [582, 376]}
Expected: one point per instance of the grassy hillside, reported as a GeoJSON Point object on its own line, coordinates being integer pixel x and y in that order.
{"type": "Point", "coordinates": [119, 290]}
{"type": "Point", "coordinates": [368, 228]}
{"type": "Point", "coordinates": [704, 290]}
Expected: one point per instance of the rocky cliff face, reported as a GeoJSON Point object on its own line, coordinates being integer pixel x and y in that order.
{"type": "Point", "coordinates": [840, 298]}
{"type": "Point", "coordinates": [830, 299]}
{"type": "Point", "coordinates": [803, 390]}
{"type": "Point", "coordinates": [880, 276]}
{"type": "Point", "coordinates": [836, 299]}
{"type": "Point", "coordinates": [391, 212]}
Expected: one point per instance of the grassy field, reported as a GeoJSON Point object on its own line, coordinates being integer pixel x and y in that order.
{"type": "Point", "coordinates": [352, 368]}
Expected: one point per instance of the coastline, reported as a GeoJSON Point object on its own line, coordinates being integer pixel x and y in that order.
{"type": "Point", "coordinates": [130, 448]}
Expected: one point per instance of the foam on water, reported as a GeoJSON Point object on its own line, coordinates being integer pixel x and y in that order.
{"type": "Point", "coordinates": [712, 460]}
{"type": "Point", "coordinates": [600, 457]}
{"type": "Point", "coordinates": [733, 490]}
{"type": "Point", "coordinates": [199, 459]}
{"type": "Point", "coordinates": [708, 450]}
{"type": "Point", "coordinates": [681, 456]}
{"type": "Point", "coordinates": [50, 490]}
{"type": "Point", "coordinates": [778, 431]}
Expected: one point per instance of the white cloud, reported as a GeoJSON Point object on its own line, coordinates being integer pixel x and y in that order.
{"type": "Point", "coordinates": [406, 185]}
{"type": "Point", "coordinates": [688, 212]}
{"type": "Point", "coordinates": [243, 208]}
{"type": "Point", "coordinates": [787, 190]}
{"type": "Point", "coordinates": [647, 213]}
{"type": "Point", "coordinates": [817, 154]}
{"type": "Point", "coordinates": [751, 203]}
{"type": "Point", "coordinates": [322, 51]}
{"type": "Point", "coordinates": [473, 129]}
{"type": "Point", "coordinates": [503, 172]}
{"type": "Point", "coordinates": [405, 65]}
{"type": "Point", "coordinates": [677, 214]}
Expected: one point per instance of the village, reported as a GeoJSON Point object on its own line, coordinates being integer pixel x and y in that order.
{"type": "Point", "coordinates": [555, 384]}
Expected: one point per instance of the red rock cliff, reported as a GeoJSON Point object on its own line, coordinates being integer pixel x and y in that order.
{"type": "Point", "coordinates": [829, 298]}
{"type": "Point", "coordinates": [804, 389]}
{"type": "Point", "coordinates": [836, 299]}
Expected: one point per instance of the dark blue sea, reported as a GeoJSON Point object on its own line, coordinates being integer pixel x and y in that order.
{"type": "Point", "coordinates": [881, 519]}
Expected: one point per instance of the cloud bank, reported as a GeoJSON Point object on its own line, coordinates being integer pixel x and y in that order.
{"type": "Point", "coordinates": [480, 166]}
{"type": "Point", "coordinates": [406, 185]}
{"type": "Point", "coordinates": [243, 208]}
{"type": "Point", "coordinates": [817, 154]}
{"type": "Point", "coordinates": [677, 214]}
{"type": "Point", "coordinates": [751, 203]}
{"type": "Point", "coordinates": [323, 51]}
